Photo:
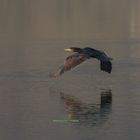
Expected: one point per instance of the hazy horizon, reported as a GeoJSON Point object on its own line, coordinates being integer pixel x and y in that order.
{"type": "Point", "coordinates": [69, 19]}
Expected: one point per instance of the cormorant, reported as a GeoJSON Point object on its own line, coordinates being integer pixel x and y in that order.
{"type": "Point", "coordinates": [81, 55]}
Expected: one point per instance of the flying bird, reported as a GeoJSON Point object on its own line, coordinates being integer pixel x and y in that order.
{"type": "Point", "coordinates": [80, 55]}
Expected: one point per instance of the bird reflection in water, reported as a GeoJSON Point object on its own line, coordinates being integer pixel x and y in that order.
{"type": "Point", "coordinates": [88, 113]}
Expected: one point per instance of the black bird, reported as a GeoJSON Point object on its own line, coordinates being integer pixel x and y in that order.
{"type": "Point", "coordinates": [81, 55]}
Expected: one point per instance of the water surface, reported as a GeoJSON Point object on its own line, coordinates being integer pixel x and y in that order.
{"type": "Point", "coordinates": [85, 103]}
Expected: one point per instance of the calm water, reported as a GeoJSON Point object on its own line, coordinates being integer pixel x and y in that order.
{"type": "Point", "coordinates": [105, 105]}
{"type": "Point", "coordinates": [85, 103]}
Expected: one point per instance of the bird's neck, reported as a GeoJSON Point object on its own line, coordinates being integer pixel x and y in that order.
{"type": "Point", "coordinates": [79, 50]}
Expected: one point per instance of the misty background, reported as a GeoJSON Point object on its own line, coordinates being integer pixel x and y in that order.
{"type": "Point", "coordinates": [33, 35]}
{"type": "Point", "coordinates": [69, 19]}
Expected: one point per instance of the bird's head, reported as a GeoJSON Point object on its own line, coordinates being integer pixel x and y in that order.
{"type": "Point", "coordinates": [74, 49]}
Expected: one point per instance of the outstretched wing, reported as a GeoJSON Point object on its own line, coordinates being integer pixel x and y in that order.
{"type": "Point", "coordinates": [70, 62]}
{"type": "Point", "coordinates": [105, 61]}
{"type": "Point", "coordinates": [106, 66]}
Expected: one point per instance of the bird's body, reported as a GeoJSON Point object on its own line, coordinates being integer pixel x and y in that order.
{"type": "Point", "coordinates": [80, 56]}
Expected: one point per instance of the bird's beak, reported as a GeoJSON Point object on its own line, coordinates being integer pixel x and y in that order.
{"type": "Point", "coordinates": [68, 50]}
